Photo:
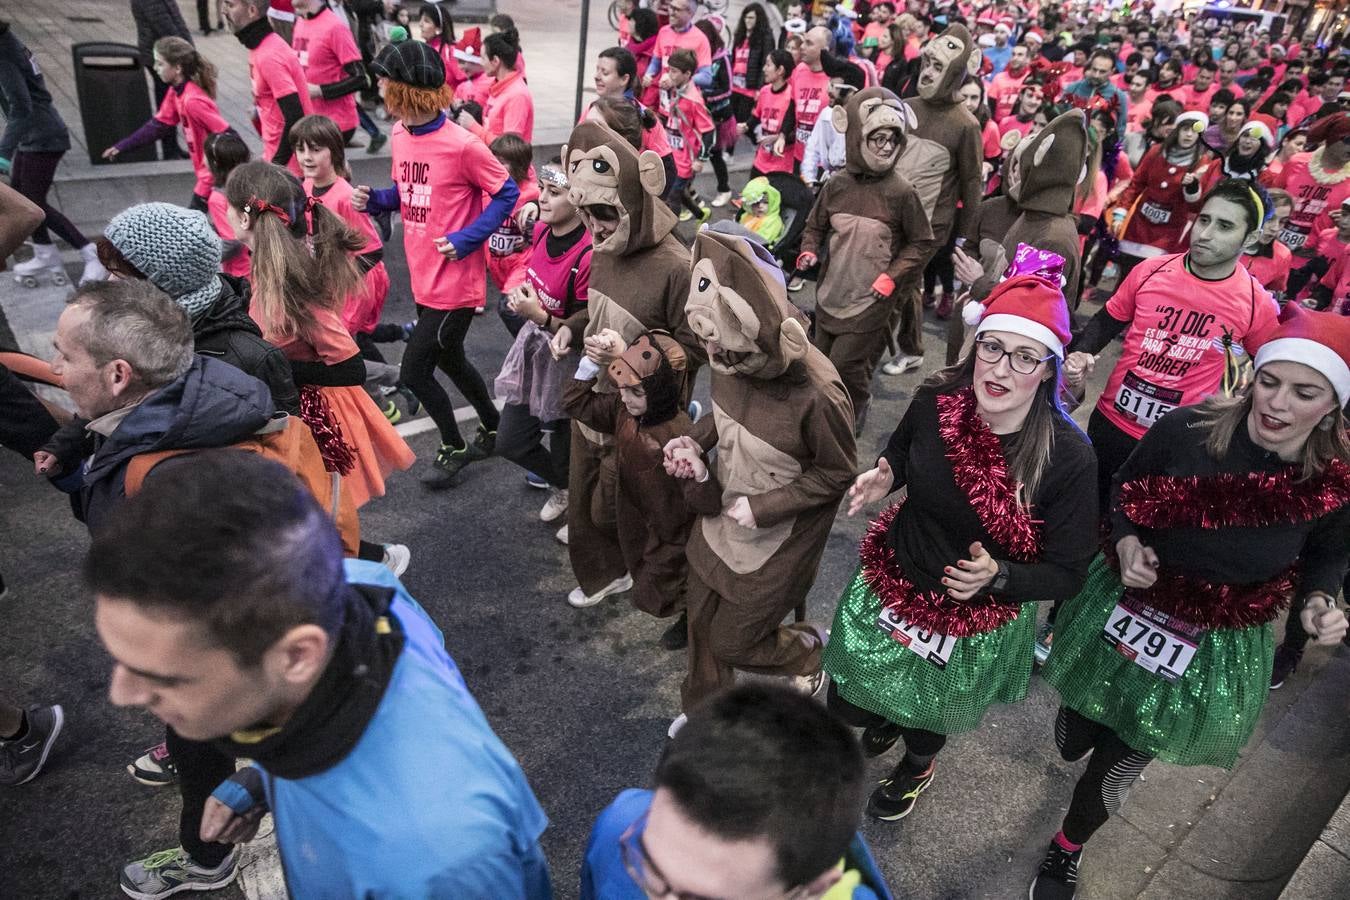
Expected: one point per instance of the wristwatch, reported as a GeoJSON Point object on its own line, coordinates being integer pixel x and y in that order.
{"type": "Point", "coordinates": [1000, 582]}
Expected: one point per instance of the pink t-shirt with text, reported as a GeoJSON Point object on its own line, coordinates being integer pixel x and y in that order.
{"type": "Point", "coordinates": [194, 109]}
{"type": "Point", "coordinates": [811, 96]}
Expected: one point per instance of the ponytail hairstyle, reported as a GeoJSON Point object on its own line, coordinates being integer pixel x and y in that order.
{"type": "Point", "coordinates": [623, 117]}
{"type": "Point", "coordinates": [177, 52]}
{"type": "Point", "coordinates": [224, 151]}
{"type": "Point", "coordinates": [302, 253]}
{"type": "Point", "coordinates": [714, 36]}
{"type": "Point", "coordinates": [505, 46]}
{"type": "Point", "coordinates": [321, 132]}
{"type": "Point", "coordinates": [625, 64]}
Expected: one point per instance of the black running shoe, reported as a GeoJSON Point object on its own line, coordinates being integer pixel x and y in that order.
{"type": "Point", "coordinates": [448, 463]}
{"type": "Point", "coordinates": [895, 797]}
{"type": "Point", "coordinates": [676, 637]}
{"type": "Point", "coordinates": [1057, 878]}
{"type": "Point", "coordinates": [877, 739]}
{"type": "Point", "coordinates": [1286, 664]}
{"type": "Point", "coordinates": [484, 442]}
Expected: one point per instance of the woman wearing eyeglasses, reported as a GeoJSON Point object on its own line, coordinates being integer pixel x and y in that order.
{"type": "Point", "coordinates": [999, 512]}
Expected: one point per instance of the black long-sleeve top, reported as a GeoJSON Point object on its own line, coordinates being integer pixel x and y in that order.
{"type": "Point", "coordinates": [1175, 446]}
{"type": "Point", "coordinates": [937, 524]}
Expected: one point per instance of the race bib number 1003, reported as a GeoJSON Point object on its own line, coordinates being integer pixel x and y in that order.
{"type": "Point", "coordinates": [929, 645]}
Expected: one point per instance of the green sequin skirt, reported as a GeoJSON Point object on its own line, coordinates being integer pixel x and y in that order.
{"type": "Point", "coordinates": [874, 672]}
{"type": "Point", "coordinates": [1202, 719]}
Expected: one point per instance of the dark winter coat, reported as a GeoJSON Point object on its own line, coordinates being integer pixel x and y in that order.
{"type": "Point", "coordinates": [227, 332]}
{"type": "Point", "coordinates": [156, 19]}
{"type": "Point", "coordinates": [32, 124]}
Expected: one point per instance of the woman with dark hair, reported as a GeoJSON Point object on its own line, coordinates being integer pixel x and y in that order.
{"type": "Point", "coordinates": [717, 94]}
{"type": "Point", "coordinates": [509, 107]}
{"type": "Point", "coordinates": [616, 78]}
{"type": "Point", "coordinates": [1247, 157]}
{"type": "Point", "coordinates": [1167, 651]}
{"type": "Point", "coordinates": [438, 30]}
{"type": "Point", "coordinates": [750, 46]}
{"type": "Point", "coordinates": [1292, 143]}
{"type": "Point", "coordinates": [1274, 111]}
{"type": "Point", "coordinates": [1161, 120]}
{"type": "Point", "coordinates": [1223, 134]}
{"type": "Point", "coordinates": [998, 512]}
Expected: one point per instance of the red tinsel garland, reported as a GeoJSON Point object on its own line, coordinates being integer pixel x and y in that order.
{"type": "Point", "coordinates": [981, 472]}
{"type": "Point", "coordinates": [1209, 605]}
{"type": "Point", "coordinates": [338, 455]}
{"type": "Point", "coordinates": [1248, 500]}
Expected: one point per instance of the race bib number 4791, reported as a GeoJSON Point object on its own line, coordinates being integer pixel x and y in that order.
{"type": "Point", "coordinates": [1151, 639]}
{"type": "Point", "coordinates": [929, 645]}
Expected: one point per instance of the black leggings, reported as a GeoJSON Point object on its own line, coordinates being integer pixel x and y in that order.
{"type": "Point", "coordinates": [437, 341]}
{"type": "Point", "coordinates": [941, 269]}
{"type": "Point", "coordinates": [920, 745]}
{"type": "Point", "coordinates": [520, 438]}
{"type": "Point", "coordinates": [719, 164]}
{"type": "Point", "coordinates": [31, 174]}
{"type": "Point", "coordinates": [201, 769]}
{"type": "Point", "coordinates": [1112, 768]}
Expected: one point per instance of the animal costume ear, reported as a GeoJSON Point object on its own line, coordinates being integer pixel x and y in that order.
{"type": "Point", "coordinates": [973, 62]}
{"type": "Point", "coordinates": [911, 120]}
{"type": "Point", "coordinates": [1044, 149]}
{"type": "Point", "coordinates": [651, 173]}
{"type": "Point", "coordinates": [839, 116]}
{"type": "Point", "coordinates": [792, 339]}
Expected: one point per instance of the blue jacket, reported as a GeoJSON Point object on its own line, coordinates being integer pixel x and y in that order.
{"type": "Point", "coordinates": [1080, 93]}
{"type": "Point", "coordinates": [429, 804]}
{"type": "Point", "coordinates": [604, 877]}
{"type": "Point", "coordinates": [212, 405]}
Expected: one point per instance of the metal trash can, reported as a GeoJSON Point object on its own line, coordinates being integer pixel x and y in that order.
{"type": "Point", "coordinates": [114, 98]}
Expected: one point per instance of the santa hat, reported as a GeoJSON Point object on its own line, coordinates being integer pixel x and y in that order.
{"type": "Point", "coordinates": [1027, 305]}
{"type": "Point", "coordinates": [1260, 131]}
{"type": "Point", "coordinates": [1007, 22]}
{"type": "Point", "coordinates": [470, 41]}
{"type": "Point", "coordinates": [1318, 340]}
{"type": "Point", "coordinates": [1329, 129]}
{"type": "Point", "coordinates": [1194, 118]}
{"type": "Point", "coordinates": [1033, 35]}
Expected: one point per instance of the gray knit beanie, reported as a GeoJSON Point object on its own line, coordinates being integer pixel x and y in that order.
{"type": "Point", "coordinates": [175, 248]}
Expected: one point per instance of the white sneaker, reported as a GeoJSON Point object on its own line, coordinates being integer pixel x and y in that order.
{"type": "Point", "coordinates": [722, 199]}
{"type": "Point", "coordinates": [561, 535]}
{"type": "Point", "coordinates": [556, 506]}
{"type": "Point", "coordinates": [45, 257]}
{"type": "Point", "coordinates": [796, 284]}
{"type": "Point", "coordinates": [675, 725]}
{"type": "Point", "coordinates": [902, 364]}
{"type": "Point", "coordinates": [578, 599]}
{"type": "Point", "coordinates": [809, 685]}
{"type": "Point", "coordinates": [93, 269]}
{"type": "Point", "coordinates": [396, 559]}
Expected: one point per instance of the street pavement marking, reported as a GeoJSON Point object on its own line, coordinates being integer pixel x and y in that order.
{"type": "Point", "coordinates": [423, 424]}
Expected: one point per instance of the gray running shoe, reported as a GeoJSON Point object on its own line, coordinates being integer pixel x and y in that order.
{"type": "Point", "coordinates": [22, 758]}
{"type": "Point", "coordinates": [169, 872]}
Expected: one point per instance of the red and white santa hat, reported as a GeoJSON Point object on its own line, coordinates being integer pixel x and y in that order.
{"type": "Point", "coordinates": [1318, 340]}
{"type": "Point", "coordinates": [1193, 118]}
{"type": "Point", "coordinates": [1033, 35]}
{"type": "Point", "coordinates": [1027, 305]}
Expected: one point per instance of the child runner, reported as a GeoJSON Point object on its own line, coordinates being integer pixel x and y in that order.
{"type": "Point", "coordinates": [653, 517]}
{"type": "Point", "coordinates": [508, 252]}
{"type": "Point", "coordinates": [190, 102]}
{"type": "Point", "coordinates": [939, 622]}
{"type": "Point", "coordinates": [303, 270]}
{"type": "Point", "coordinates": [690, 128]}
{"type": "Point", "coordinates": [441, 174]}
{"type": "Point", "coordinates": [772, 124]}
{"type": "Point", "coordinates": [1270, 261]}
{"type": "Point", "coordinates": [224, 152]}
{"type": "Point", "coordinates": [1167, 651]}
{"type": "Point", "coordinates": [320, 150]}
{"type": "Point", "coordinates": [550, 304]}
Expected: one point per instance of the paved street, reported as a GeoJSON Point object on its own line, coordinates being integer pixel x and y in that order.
{"type": "Point", "coordinates": [583, 699]}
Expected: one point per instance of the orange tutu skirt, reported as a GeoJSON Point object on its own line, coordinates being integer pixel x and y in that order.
{"type": "Point", "coordinates": [379, 449]}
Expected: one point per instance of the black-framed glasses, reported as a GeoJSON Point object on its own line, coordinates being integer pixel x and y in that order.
{"type": "Point", "coordinates": [881, 140]}
{"type": "Point", "coordinates": [1022, 362]}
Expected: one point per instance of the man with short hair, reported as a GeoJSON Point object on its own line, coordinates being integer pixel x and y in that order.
{"type": "Point", "coordinates": [1196, 95]}
{"type": "Point", "coordinates": [809, 85]}
{"type": "Point", "coordinates": [1006, 85]}
{"type": "Point", "coordinates": [1096, 91]}
{"type": "Point", "coordinates": [223, 599]}
{"type": "Point", "coordinates": [280, 94]}
{"type": "Point", "coordinates": [1228, 74]}
{"type": "Point", "coordinates": [680, 34]}
{"type": "Point", "coordinates": [757, 796]}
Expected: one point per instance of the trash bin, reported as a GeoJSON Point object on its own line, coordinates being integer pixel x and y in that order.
{"type": "Point", "coordinates": [114, 98]}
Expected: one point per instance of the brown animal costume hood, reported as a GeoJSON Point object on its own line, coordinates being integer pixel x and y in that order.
{"type": "Point", "coordinates": [738, 307]}
{"type": "Point", "coordinates": [866, 112]}
{"type": "Point", "coordinates": [1044, 172]}
{"type": "Point", "coordinates": [603, 169]}
{"type": "Point", "coordinates": [959, 56]}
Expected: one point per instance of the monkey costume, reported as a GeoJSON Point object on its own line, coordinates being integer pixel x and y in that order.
{"type": "Point", "coordinates": [876, 232]}
{"type": "Point", "coordinates": [942, 159]}
{"type": "Point", "coordinates": [1040, 180]}
{"type": "Point", "coordinates": [639, 282]}
{"type": "Point", "coordinates": [783, 427]}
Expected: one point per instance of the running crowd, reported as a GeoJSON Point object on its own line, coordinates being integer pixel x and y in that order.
{"type": "Point", "coordinates": [233, 412]}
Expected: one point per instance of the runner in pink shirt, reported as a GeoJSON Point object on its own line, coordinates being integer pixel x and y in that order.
{"type": "Point", "coordinates": [190, 102]}
{"type": "Point", "coordinates": [772, 124]}
{"type": "Point", "coordinates": [224, 153]}
{"type": "Point", "coordinates": [438, 30]}
{"type": "Point", "coordinates": [510, 107]}
{"type": "Point", "coordinates": [691, 131]}
{"type": "Point", "coordinates": [331, 63]}
{"type": "Point", "coordinates": [508, 247]}
{"type": "Point", "coordinates": [810, 86]}
{"type": "Point", "coordinates": [280, 95]}
{"type": "Point", "coordinates": [441, 174]}
{"type": "Point", "coordinates": [680, 34]}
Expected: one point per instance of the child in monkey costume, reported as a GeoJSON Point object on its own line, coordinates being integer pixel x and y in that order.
{"type": "Point", "coordinates": [870, 219]}
{"type": "Point", "coordinates": [639, 282]}
{"type": "Point", "coordinates": [783, 428]}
